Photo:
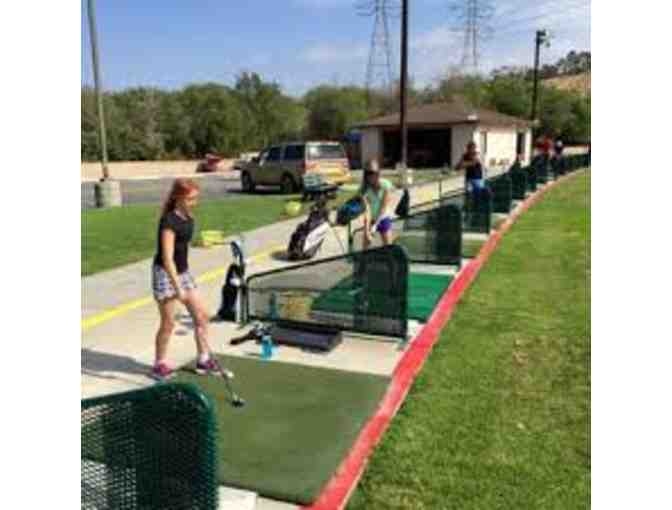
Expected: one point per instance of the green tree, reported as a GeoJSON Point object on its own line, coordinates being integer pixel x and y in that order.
{"type": "Point", "coordinates": [333, 110]}
{"type": "Point", "coordinates": [216, 119]}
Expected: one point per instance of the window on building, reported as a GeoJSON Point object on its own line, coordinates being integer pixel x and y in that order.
{"type": "Point", "coordinates": [520, 144]}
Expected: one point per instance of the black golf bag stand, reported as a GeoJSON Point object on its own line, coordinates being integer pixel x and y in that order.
{"type": "Point", "coordinates": [233, 306]}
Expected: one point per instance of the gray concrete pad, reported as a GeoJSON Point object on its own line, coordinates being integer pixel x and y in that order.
{"type": "Point", "coordinates": [237, 499]}
{"type": "Point", "coordinates": [434, 269]}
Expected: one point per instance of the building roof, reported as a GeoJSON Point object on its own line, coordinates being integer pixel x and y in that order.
{"type": "Point", "coordinates": [448, 114]}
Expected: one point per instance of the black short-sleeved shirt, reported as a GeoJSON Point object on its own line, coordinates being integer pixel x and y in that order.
{"type": "Point", "coordinates": [475, 170]}
{"type": "Point", "coordinates": [184, 229]}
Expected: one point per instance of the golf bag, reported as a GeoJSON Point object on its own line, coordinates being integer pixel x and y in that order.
{"type": "Point", "coordinates": [404, 205]}
{"type": "Point", "coordinates": [349, 211]}
{"type": "Point", "coordinates": [231, 307]}
{"type": "Point", "coordinates": [308, 237]}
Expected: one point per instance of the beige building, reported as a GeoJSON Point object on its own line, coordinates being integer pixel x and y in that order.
{"type": "Point", "coordinates": [438, 134]}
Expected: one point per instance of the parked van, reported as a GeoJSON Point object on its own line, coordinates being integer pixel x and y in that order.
{"type": "Point", "coordinates": [284, 165]}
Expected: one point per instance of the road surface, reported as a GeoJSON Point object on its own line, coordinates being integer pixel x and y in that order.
{"type": "Point", "coordinates": [154, 191]}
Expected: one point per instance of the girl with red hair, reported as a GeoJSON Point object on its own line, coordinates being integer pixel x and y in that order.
{"type": "Point", "coordinates": [172, 283]}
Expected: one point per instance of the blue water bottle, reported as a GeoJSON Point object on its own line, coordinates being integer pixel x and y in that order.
{"type": "Point", "coordinates": [266, 347]}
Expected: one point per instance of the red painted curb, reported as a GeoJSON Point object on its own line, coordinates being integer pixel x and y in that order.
{"type": "Point", "coordinates": [337, 491]}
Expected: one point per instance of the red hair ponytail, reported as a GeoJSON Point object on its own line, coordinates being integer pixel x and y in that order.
{"type": "Point", "coordinates": [181, 188]}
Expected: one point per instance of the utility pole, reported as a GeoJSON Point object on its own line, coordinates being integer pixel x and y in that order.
{"type": "Point", "coordinates": [108, 191]}
{"type": "Point", "coordinates": [541, 38]}
{"type": "Point", "coordinates": [402, 83]}
{"type": "Point", "coordinates": [97, 81]}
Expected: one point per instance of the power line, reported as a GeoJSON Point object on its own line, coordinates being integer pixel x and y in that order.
{"type": "Point", "coordinates": [524, 15]}
{"type": "Point", "coordinates": [519, 22]}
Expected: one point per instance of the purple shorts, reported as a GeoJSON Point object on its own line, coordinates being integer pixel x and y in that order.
{"type": "Point", "coordinates": [384, 226]}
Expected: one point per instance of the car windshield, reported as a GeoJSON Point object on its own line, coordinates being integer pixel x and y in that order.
{"type": "Point", "coordinates": [325, 151]}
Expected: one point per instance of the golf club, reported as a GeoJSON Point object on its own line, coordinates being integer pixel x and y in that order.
{"type": "Point", "coordinates": [227, 375]}
{"type": "Point", "coordinates": [340, 243]}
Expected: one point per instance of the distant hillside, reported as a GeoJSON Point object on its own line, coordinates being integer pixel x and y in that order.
{"type": "Point", "coordinates": [577, 82]}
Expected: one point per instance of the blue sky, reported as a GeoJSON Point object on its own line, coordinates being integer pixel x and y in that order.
{"type": "Point", "coordinates": [300, 43]}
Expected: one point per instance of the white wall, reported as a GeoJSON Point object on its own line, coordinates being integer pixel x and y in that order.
{"type": "Point", "coordinates": [527, 156]}
{"type": "Point", "coordinates": [460, 136]}
{"type": "Point", "coordinates": [372, 145]}
{"type": "Point", "coordinates": [501, 145]}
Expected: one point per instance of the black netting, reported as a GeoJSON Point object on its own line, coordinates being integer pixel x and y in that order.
{"type": "Point", "coordinates": [558, 165]}
{"type": "Point", "coordinates": [518, 182]}
{"type": "Point", "coordinates": [531, 178]}
{"type": "Point", "coordinates": [502, 193]}
{"type": "Point", "coordinates": [431, 234]}
{"type": "Point", "coordinates": [541, 166]}
{"type": "Point", "coordinates": [149, 449]}
{"type": "Point", "coordinates": [366, 292]}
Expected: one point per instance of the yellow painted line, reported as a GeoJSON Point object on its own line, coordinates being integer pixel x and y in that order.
{"type": "Point", "coordinates": [123, 309]}
{"type": "Point", "coordinates": [105, 316]}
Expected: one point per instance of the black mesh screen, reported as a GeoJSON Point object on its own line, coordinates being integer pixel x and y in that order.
{"type": "Point", "coordinates": [431, 234]}
{"type": "Point", "coordinates": [502, 193]}
{"type": "Point", "coordinates": [365, 292]}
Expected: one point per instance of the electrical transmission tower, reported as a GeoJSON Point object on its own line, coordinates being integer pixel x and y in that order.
{"type": "Point", "coordinates": [380, 67]}
{"type": "Point", "coordinates": [471, 17]}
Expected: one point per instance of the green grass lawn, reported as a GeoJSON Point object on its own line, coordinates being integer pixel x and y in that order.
{"type": "Point", "coordinates": [118, 236]}
{"type": "Point", "coordinates": [499, 418]}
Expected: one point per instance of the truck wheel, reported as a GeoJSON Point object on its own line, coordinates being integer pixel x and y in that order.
{"type": "Point", "coordinates": [287, 185]}
{"type": "Point", "coordinates": [247, 182]}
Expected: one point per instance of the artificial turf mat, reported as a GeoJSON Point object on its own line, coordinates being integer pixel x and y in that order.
{"type": "Point", "coordinates": [295, 429]}
{"type": "Point", "coordinates": [424, 291]}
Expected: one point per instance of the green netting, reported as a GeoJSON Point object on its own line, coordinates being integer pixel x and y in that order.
{"type": "Point", "coordinates": [375, 281]}
{"type": "Point", "coordinates": [430, 234]}
{"type": "Point", "coordinates": [149, 449]}
{"type": "Point", "coordinates": [424, 291]}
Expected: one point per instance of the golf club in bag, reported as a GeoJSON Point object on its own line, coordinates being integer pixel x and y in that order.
{"type": "Point", "coordinates": [232, 306]}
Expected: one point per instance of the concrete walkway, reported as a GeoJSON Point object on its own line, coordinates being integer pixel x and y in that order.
{"type": "Point", "coordinates": [119, 320]}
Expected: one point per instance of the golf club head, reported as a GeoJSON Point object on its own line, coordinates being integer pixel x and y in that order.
{"type": "Point", "coordinates": [237, 402]}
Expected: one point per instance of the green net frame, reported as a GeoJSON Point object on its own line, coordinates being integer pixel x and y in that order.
{"type": "Point", "coordinates": [364, 292]}
{"type": "Point", "coordinates": [430, 234]}
{"type": "Point", "coordinates": [152, 448]}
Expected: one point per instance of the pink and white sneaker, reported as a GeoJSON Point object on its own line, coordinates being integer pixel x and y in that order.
{"type": "Point", "coordinates": [161, 371]}
{"type": "Point", "coordinates": [206, 367]}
